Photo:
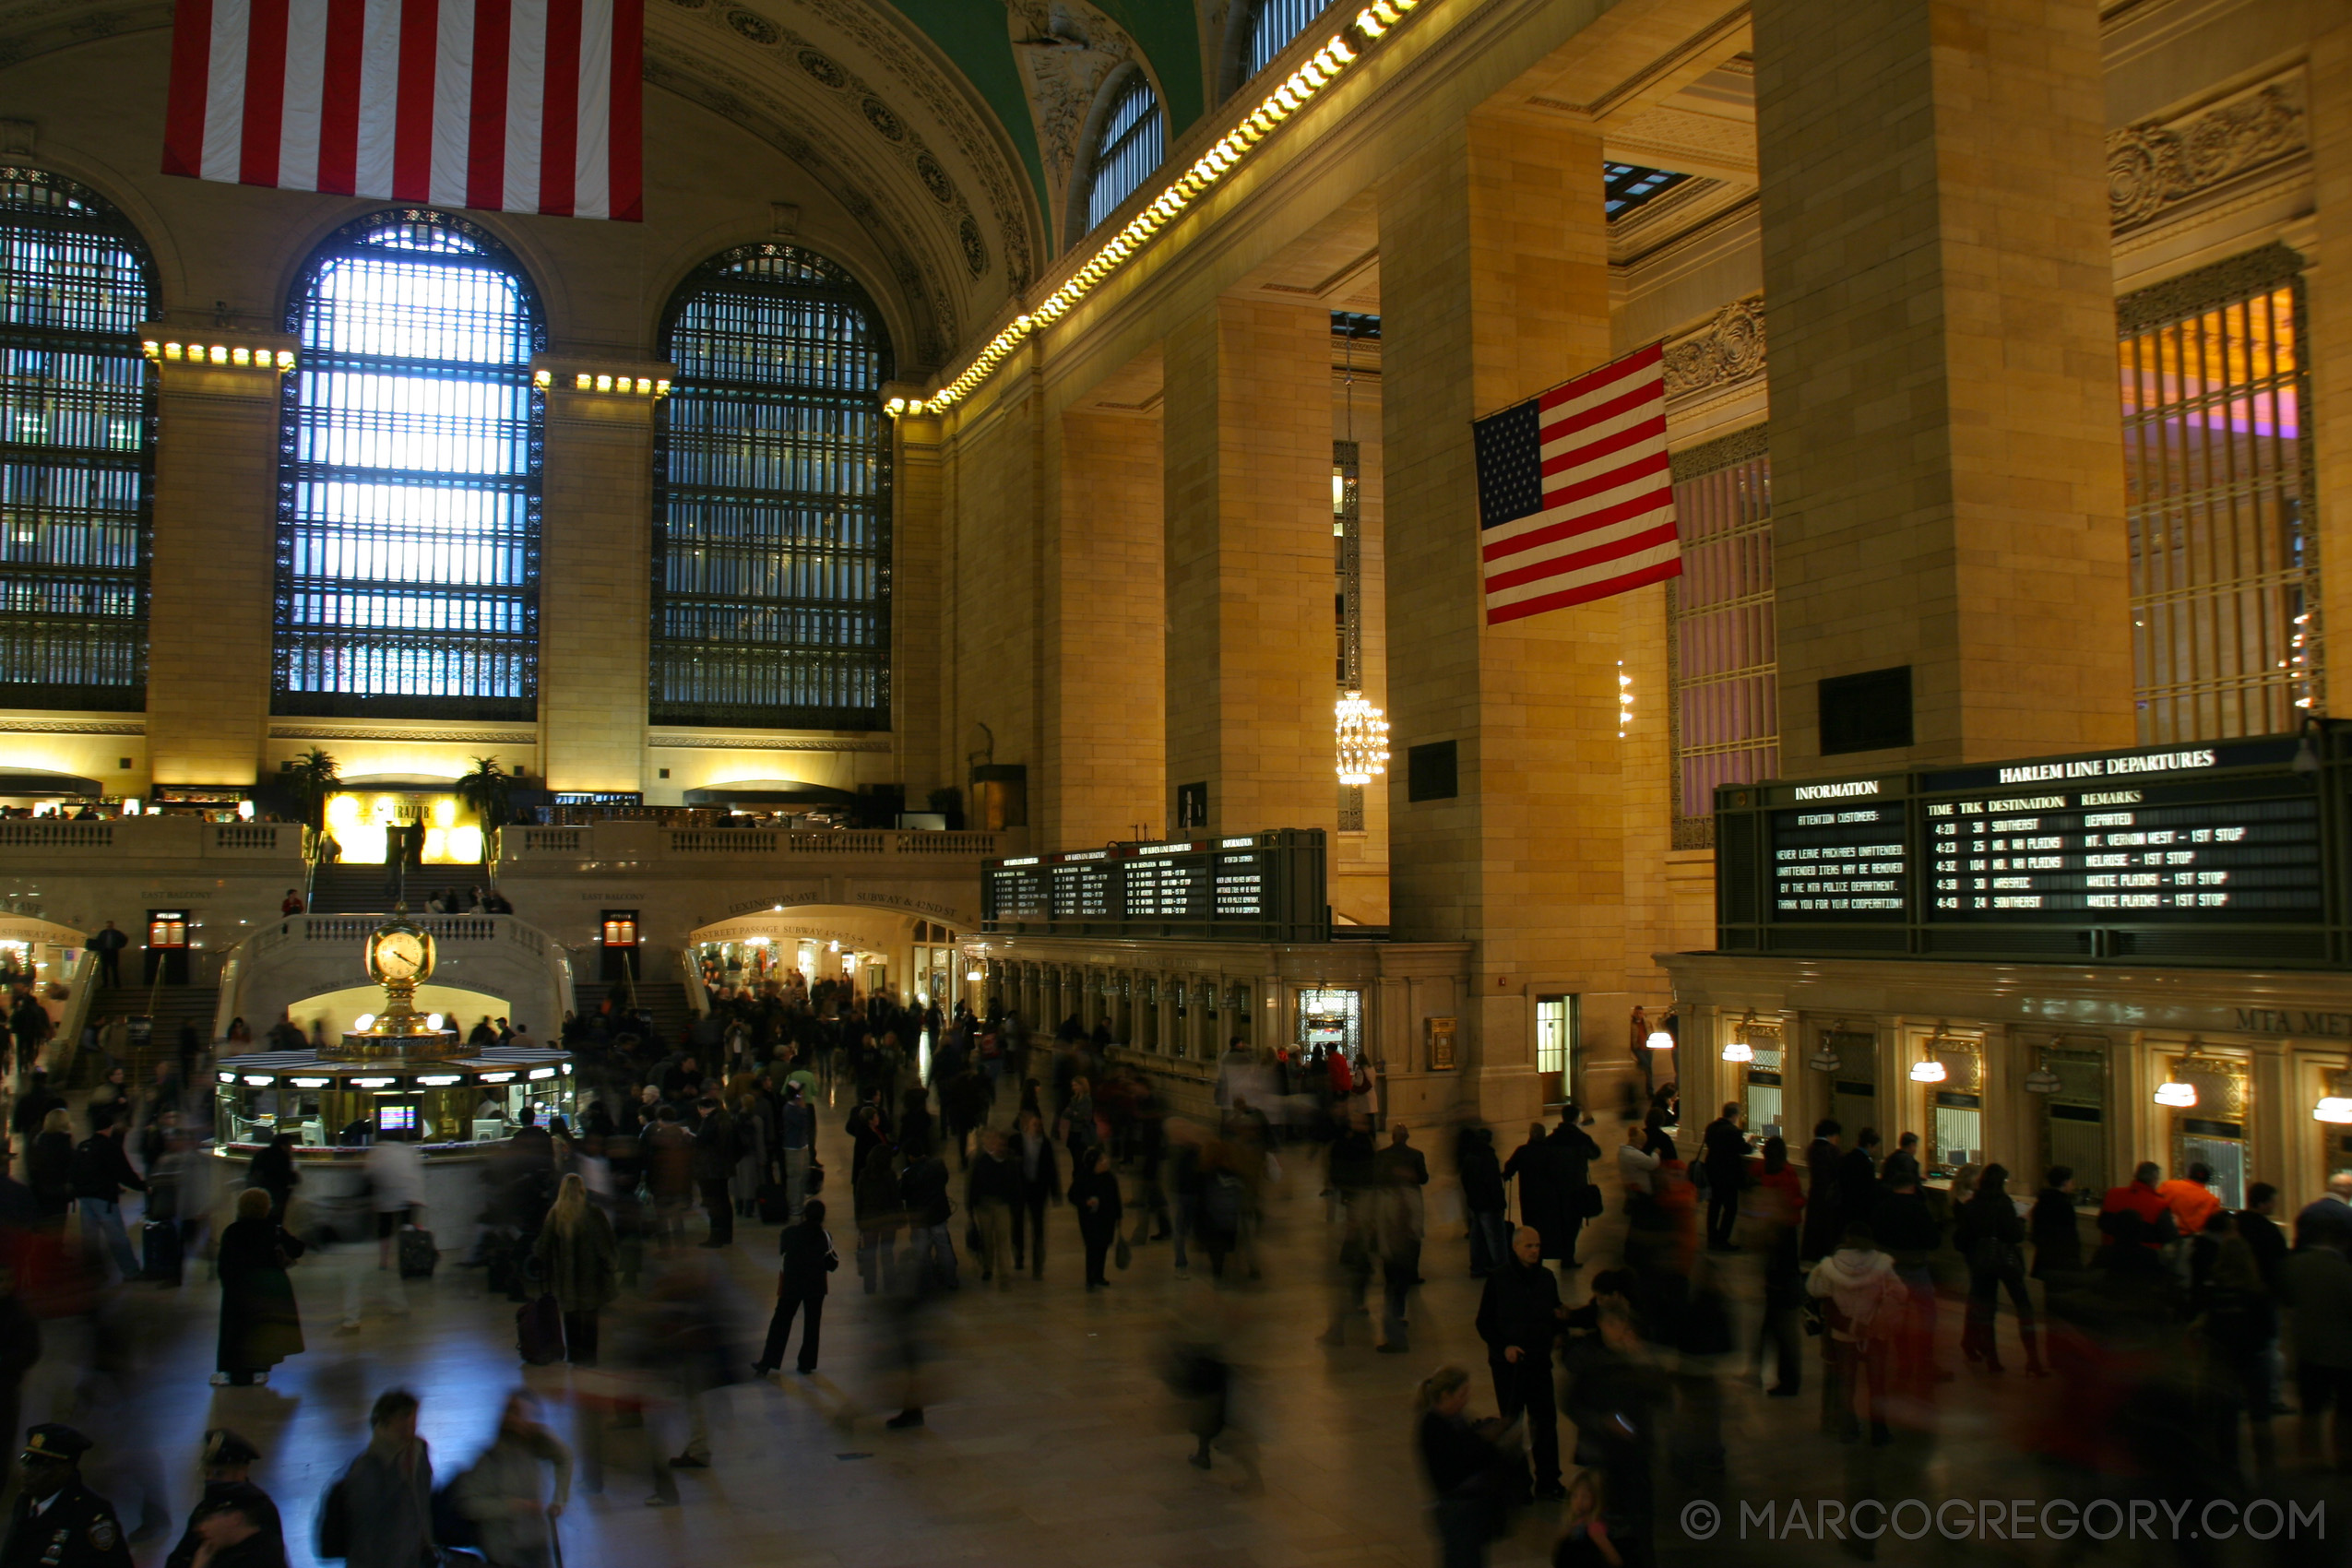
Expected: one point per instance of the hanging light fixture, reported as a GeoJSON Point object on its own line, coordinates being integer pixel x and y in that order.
{"type": "Point", "coordinates": [2334, 1108]}
{"type": "Point", "coordinates": [1741, 1048]}
{"type": "Point", "coordinates": [1362, 733]}
{"type": "Point", "coordinates": [1824, 1058]}
{"type": "Point", "coordinates": [1661, 1038]}
{"type": "Point", "coordinates": [1928, 1071]}
{"type": "Point", "coordinates": [2179, 1095]}
{"type": "Point", "coordinates": [2041, 1080]}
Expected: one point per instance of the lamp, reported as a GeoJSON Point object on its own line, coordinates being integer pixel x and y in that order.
{"type": "Point", "coordinates": [1928, 1071]}
{"type": "Point", "coordinates": [2041, 1080]}
{"type": "Point", "coordinates": [2173, 1092]}
{"type": "Point", "coordinates": [1363, 735]}
{"type": "Point", "coordinates": [2334, 1108]}
{"type": "Point", "coordinates": [1741, 1048]}
{"type": "Point", "coordinates": [1824, 1058]}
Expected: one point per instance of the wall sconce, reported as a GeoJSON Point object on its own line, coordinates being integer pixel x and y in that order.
{"type": "Point", "coordinates": [1739, 1049]}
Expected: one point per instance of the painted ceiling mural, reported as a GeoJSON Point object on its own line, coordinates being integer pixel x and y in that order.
{"type": "Point", "coordinates": [947, 129]}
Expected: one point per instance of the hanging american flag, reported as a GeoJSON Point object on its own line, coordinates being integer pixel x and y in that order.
{"type": "Point", "coordinates": [1576, 495]}
{"type": "Point", "coordinates": [506, 105]}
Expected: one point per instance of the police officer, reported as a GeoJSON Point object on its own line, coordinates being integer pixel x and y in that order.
{"type": "Point", "coordinates": [58, 1522]}
{"type": "Point", "coordinates": [227, 1470]}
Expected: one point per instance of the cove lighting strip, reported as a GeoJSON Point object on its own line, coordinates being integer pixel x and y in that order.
{"type": "Point", "coordinates": [1339, 52]}
{"type": "Point", "coordinates": [642, 386]}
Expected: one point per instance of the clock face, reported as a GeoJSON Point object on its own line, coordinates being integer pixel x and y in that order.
{"type": "Point", "coordinates": [400, 955]}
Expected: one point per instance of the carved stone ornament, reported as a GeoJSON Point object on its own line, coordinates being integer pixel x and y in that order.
{"type": "Point", "coordinates": [1066, 51]}
{"type": "Point", "coordinates": [1727, 350]}
{"type": "Point", "coordinates": [2152, 166]}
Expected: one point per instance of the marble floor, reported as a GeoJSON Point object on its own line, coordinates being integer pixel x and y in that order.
{"type": "Point", "coordinates": [1051, 1437]}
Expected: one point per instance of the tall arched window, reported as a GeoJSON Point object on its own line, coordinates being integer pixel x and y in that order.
{"type": "Point", "coordinates": [1272, 27]}
{"type": "Point", "coordinates": [1128, 147]}
{"type": "Point", "coordinates": [76, 450]}
{"type": "Point", "coordinates": [408, 499]}
{"type": "Point", "coordinates": [771, 538]}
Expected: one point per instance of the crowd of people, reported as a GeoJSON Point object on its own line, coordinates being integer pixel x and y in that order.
{"type": "Point", "coordinates": [1628, 1293]}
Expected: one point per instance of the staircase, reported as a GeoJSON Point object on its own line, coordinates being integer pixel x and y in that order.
{"type": "Point", "coordinates": [169, 1006]}
{"type": "Point", "coordinates": [348, 890]}
{"type": "Point", "coordinates": [666, 1001]}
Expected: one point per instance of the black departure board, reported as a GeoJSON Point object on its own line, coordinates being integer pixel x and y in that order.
{"type": "Point", "coordinates": [1839, 861]}
{"type": "Point", "coordinates": [1261, 887]}
{"type": "Point", "coordinates": [2231, 850]}
{"type": "Point", "coordinates": [2162, 853]}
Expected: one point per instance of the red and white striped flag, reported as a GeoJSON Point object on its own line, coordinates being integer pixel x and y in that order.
{"type": "Point", "coordinates": [1576, 493]}
{"type": "Point", "coordinates": [505, 105]}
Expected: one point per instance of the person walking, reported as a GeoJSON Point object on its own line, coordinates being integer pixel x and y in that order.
{"type": "Point", "coordinates": [1519, 1317]}
{"type": "Point", "coordinates": [49, 1167]}
{"type": "Point", "coordinates": [1991, 1237]}
{"type": "Point", "coordinates": [505, 1494]}
{"type": "Point", "coordinates": [100, 1171]}
{"type": "Point", "coordinates": [2319, 1290]}
{"type": "Point", "coordinates": [807, 1257]}
{"type": "Point", "coordinates": [579, 1257]}
{"type": "Point", "coordinates": [383, 1502]}
{"type": "Point", "coordinates": [1724, 1158]}
{"type": "Point", "coordinates": [713, 1165]}
{"type": "Point", "coordinates": [108, 944]}
{"type": "Point", "coordinates": [1861, 1298]}
{"type": "Point", "coordinates": [2056, 1235]}
{"type": "Point", "coordinates": [1095, 1196]}
{"type": "Point", "coordinates": [874, 1192]}
{"type": "Point", "coordinates": [1573, 1152]}
{"type": "Point", "coordinates": [991, 1192]}
{"type": "Point", "coordinates": [1823, 1224]}
{"type": "Point", "coordinates": [1540, 1205]}
{"type": "Point", "coordinates": [1040, 1172]}
{"type": "Point", "coordinates": [261, 1323]}
{"type": "Point", "coordinates": [1775, 1207]}
{"type": "Point", "coordinates": [1485, 1202]}
{"type": "Point", "coordinates": [796, 1135]}
{"type": "Point", "coordinates": [1464, 1467]}
{"type": "Point", "coordinates": [273, 1171]}
{"type": "Point", "coordinates": [923, 1192]}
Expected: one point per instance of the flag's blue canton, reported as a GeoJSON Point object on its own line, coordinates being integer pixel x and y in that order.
{"type": "Point", "coordinates": [1510, 450]}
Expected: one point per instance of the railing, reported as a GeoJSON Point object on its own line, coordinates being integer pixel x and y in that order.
{"type": "Point", "coordinates": [697, 993]}
{"type": "Point", "coordinates": [251, 838]}
{"type": "Point", "coordinates": [80, 986]}
{"type": "Point", "coordinates": [632, 840]}
{"type": "Point", "coordinates": [41, 833]}
{"type": "Point", "coordinates": [350, 932]}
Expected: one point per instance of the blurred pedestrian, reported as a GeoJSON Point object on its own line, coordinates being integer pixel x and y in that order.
{"type": "Point", "coordinates": [580, 1257]}
{"type": "Point", "coordinates": [379, 1513]}
{"type": "Point", "coordinates": [227, 1461]}
{"type": "Point", "coordinates": [1991, 1237]}
{"type": "Point", "coordinates": [507, 1493]}
{"type": "Point", "coordinates": [1095, 1195]}
{"type": "Point", "coordinates": [261, 1323]}
{"type": "Point", "coordinates": [1465, 1465]}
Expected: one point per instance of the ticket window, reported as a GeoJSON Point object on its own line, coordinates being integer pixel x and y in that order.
{"type": "Point", "coordinates": [2074, 1120]}
{"type": "Point", "coordinates": [2212, 1133]}
{"type": "Point", "coordinates": [1763, 1094]}
{"type": "Point", "coordinates": [1332, 1019]}
{"type": "Point", "coordinates": [167, 946]}
{"type": "Point", "coordinates": [1555, 1059]}
{"type": "Point", "coordinates": [618, 933]}
{"type": "Point", "coordinates": [1955, 1114]}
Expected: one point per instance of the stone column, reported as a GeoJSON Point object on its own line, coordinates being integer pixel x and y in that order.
{"type": "Point", "coordinates": [1102, 681]}
{"type": "Point", "coordinates": [594, 596]}
{"type": "Point", "coordinates": [1251, 638]}
{"type": "Point", "coordinates": [1494, 286]}
{"type": "Point", "coordinates": [213, 565]}
{"type": "Point", "coordinates": [1946, 439]}
{"type": "Point", "coordinates": [2327, 351]}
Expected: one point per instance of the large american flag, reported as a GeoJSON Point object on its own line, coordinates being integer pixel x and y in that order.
{"type": "Point", "coordinates": [506, 105]}
{"type": "Point", "coordinates": [1575, 493]}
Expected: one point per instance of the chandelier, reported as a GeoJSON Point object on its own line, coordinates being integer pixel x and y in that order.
{"type": "Point", "coordinates": [1363, 740]}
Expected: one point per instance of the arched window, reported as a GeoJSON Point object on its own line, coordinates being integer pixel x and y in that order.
{"type": "Point", "coordinates": [408, 501]}
{"type": "Point", "coordinates": [76, 451]}
{"type": "Point", "coordinates": [1127, 149]}
{"type": "Point", "coordinates": [1272, 27]}
{"type": "Point", "coordinates": [771, 536]}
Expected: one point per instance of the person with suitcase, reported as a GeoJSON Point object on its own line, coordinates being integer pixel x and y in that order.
{"type": "Point", "coordinates": [579, 1257]}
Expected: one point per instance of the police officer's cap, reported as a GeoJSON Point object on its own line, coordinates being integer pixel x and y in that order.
{"type": "Point", "coordinates": [55, 1442]}
{"type": "Point", "coordinates": [223, 1447]}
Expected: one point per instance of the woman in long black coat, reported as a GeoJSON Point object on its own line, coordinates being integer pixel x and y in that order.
{"type": "Point", "coordinates": [260, 1322]}
{"type": "Point", "coordinates": [49, 1167]}
{"type": "Point", "coordinates": [1095, 1195]}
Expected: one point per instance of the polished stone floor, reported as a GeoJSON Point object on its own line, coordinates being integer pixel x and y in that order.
{"type": "Point", "coordinates": [1051, 1437]}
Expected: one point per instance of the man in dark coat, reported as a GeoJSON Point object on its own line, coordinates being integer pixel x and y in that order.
{"type": "Point", "coordinates": [1858, 1185]}
{"type": "Point", "coordinates": [1533, 1167]}
{"type": "Point", "coordinates": [1725, 1156]}
{"type": "Point", "coordinates": [1519, 1319]}
{"type": "Point", "coordinates": [58, 1522]}
{"type": "Point", "coordinates": [108, 944]}
{"type": "Point", "coordinates": [228, 1480]}
{"type": "Point", "coordinates": [714, 1163]}
{"type": "Point", "coordinates": [1573, 1152]}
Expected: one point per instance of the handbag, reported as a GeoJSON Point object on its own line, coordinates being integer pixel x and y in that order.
{"type": "Point", "coordinates": [1589, 1200]}
{"type": "Point", "coordinates": [972, 1237]}
{"type": "Point", "coordinates": [1123, 1254]}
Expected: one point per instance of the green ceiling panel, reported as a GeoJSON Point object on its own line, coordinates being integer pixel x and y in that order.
{"type": "Point", "coordinates": [972, 33]}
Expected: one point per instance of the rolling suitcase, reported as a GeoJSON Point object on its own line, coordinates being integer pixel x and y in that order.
{"type": "Point", "coordinates": [418, 1256]}
{"type": "Point", "coordinates": [160, 1257]}
{"type": "Point", "coordinates": [773, 1208]}
{"type": "Point", "coordinates": [539, 1331]}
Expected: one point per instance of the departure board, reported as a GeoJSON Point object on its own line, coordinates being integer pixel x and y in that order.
{"type": "Point", "coordinates": [1264, 887]}
{"type": "Point", "coordinates": [2167, 853]}
{"type": "Point", "coordinates": [1839, 862]}
{"type": "Point", "coordinates": [2237, 851]}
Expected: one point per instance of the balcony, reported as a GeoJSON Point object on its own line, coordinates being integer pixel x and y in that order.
{"type": "Point", "coordinates": [638, 843]}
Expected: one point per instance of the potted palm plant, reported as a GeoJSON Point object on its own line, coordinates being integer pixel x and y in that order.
{"type": "Point", "coordinates": [487, 791]}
